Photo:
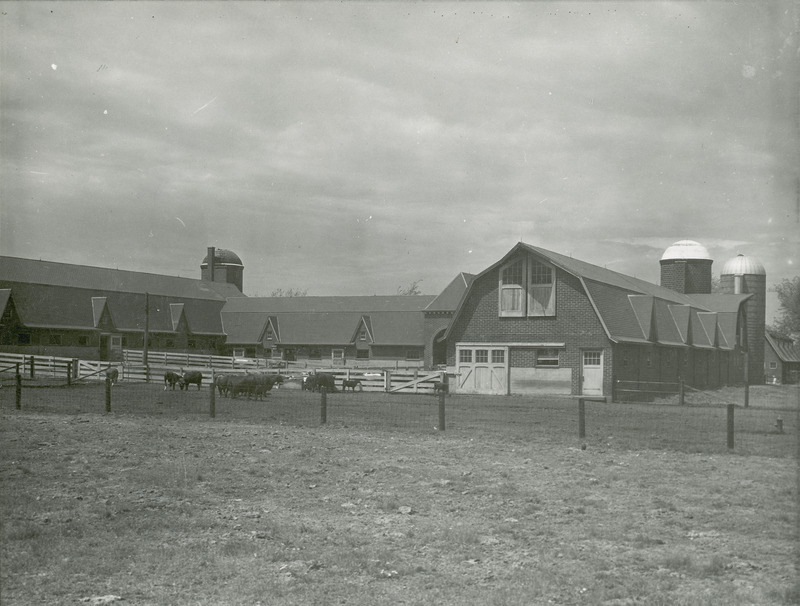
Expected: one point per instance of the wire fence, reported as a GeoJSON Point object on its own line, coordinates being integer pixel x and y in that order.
{"type": "Point", "coordinates": [768, 429]}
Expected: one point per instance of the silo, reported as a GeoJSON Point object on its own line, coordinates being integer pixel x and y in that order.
{"type": "Point", "coordinates": [746, 275]}
{"type": "Point", "coordinates": [686, 268]}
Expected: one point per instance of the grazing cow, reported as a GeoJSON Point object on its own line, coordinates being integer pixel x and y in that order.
{"type": "Point", "coordinates": [241, 384]}
{"type": "Point", "coordinates": [352, 384]}
{"type": "Point", "coordinates": [222, 384]}
{"type": "Point", "coordinates": [309, 383]}
{"type": "Point", "coordinates": [112, 374]}
{"type": "Point", "coordinates": [264, 384]}
{"type": "Point", "coordinates": [171, 378]}
{"type": "Point", "coordinates": [327, 381]}
{"type": "Point", "coordinates": [193, 376]}
{"type": "Point", "coordinates": [440, 387]}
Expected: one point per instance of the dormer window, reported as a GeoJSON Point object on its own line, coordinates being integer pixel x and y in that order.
{"type": "Point", "coordinates": [362, 334]}
{"type": "Point", "coordinates": [269, 335]}
{"type": "Point", "coordinates": [527, 288]}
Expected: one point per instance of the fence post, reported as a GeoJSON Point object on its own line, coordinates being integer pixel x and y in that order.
{"type": "Point", "coordinates": [581, 418]}
{"type": "Point", "coordinates": [213, 401]}
{"type": "Point", "coordinates": [441, 410]}
{"type": "Point", "coordinates": [33, 363]}
{"type": "Point", "coordinates": [69, 373]}
{"type": "Point", "coordinates": [387, 380]}
{"type": "Point", "coordinates": [323, 405]}
{"type": "Point", "coordinates": [74, 368]}
{"type": "Point", "coordinates": [730, 426]}
{"type": "Point", "coordinates": [18, 378]}
{"type": "Point", "coordinates": [108, 394]}
{"type": "Point", "coordinates": [681, 393]}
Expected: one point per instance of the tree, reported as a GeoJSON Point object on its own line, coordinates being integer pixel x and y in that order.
{"type": "Point", "coordinates": [411, 289]}
{"type": "Point", "coordinates": [291, 292]}
{"type": "Point", "coordinates": [788, 322]}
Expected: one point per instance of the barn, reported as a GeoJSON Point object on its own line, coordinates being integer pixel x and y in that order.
{"type": "Point", "coordinates": [781, 360]}
{"type": "Point", "coordinates": [79, 311]}
{"type": "Point", "coordinates": [370, 330]}
{"type": "Point", "coordinates": [538, 322]}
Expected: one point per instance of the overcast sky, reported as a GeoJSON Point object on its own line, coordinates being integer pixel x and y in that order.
{"type": "Point", "coordinates": [353, 148]}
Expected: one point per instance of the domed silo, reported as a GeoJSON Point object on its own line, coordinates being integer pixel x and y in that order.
{"type": "Point", "coordinates": [222, 265]}
{"type": "Point", "coordinates": [746, 275]}
{"type": "Point", "coordinates": [686, 268]}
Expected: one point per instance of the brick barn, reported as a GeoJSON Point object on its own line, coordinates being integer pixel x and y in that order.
{"type": "Point", "coordinates": [541, 322]}
{"type": "Point", "coordinates": [78, 311]}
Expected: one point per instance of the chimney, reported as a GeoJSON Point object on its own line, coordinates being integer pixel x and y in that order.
{"type": "Point", "coordinates": [211, 252]}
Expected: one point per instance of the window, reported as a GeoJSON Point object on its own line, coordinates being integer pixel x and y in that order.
{"type": "Point", "coordinates": [24, 338]}
{"type": "Point", "coordinates": [314, 354]}
{"type": "Point", "coordinates": [527, 288]}
{"type": "Point", "coordinates": [191, 344]}
{"type": "Point", "coordinates": [413, 354]}
{"type": "Point", "coordinates": [83, 341]}
{"type": "Point", "coordinates": [238, 353]}
{"type": "Point", "coordinates": [498, 356]}
{"type": "Point", "coordinates": [591, 358]}
{"type": "Point", "coordinates": [465, 356]}
{"type": "Point", "coordinates": [481, 356]}
{"type": "Point", "coordinates": [547, 357]}
{"type": "Point", "coordinates": [773, 365]}
{"type": "Point", "coordinates": [55, 339]}
{"type": "Point", "coordinates": [269, 334]}
{"type": "Point", "coordinates": [337, 354]}
{"type": "Point", "coordinates": [512, 289]}
{"type": "Point", "coordinates": [362, 335]}
{"type": "Point", "coordinates": [268, 353]}
{"type": "Point", "coordinates": [170, 343]}
{"type": "Point", "coordinates": [362, 354]}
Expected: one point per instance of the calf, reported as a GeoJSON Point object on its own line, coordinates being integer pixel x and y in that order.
{"type": "Point", "coordinates": [170, 378]}
{"type": "Point", "coordinates": [112, 374]}
{"type": "Point", "coordinates": [352, 384]}
{"type": "Point", "coordinates": [222, 384]}
{"type": "Point", "coordinates": [193, 376]}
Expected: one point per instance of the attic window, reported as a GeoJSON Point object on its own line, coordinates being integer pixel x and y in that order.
{"type": "Point", "coordinates": [269, 334]}
{"type": "Point", "coordinates": [362, 334]}
{"type": "Point", "coordinates": [527, 288]}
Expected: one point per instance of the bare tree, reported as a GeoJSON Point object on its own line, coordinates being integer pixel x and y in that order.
{"type": "Point", "coordinates": [411, 289]}
{"type": "Point", "coordinates": [290, 292]}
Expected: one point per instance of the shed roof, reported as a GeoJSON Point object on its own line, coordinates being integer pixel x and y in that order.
{"type": "Point", "coordinates": [784, 348]}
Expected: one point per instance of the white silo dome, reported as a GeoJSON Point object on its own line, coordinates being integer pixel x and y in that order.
{"type": "Point", "coordinates": [743, 265]}
{"type": "Point", "coordinates": [686, 249]}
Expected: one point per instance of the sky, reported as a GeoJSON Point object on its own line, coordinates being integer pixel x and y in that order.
{"type": "Point", "coordinates": [354, 148]}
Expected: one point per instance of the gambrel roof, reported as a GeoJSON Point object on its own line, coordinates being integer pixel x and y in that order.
{"type": "Point", "coordinates": [391, 320]}
{"type": "Point", "coordinates": [62, 295]}
{"type": "Point", "coordinates": [632, 310]}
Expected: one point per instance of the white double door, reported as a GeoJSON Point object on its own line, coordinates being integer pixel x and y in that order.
{"type": "Point", "coordinates": [482, 369]}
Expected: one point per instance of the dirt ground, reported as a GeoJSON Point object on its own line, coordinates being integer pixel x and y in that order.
{"type": "Point", "coordinates": [158, 510]}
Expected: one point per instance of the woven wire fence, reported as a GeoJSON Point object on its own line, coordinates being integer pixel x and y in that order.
{"type": "Point", "coordinates": [768, 429]}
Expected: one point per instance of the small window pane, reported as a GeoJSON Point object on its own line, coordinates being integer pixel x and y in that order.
{"type": "Point", "coordinates": [465, 356]}
{"type": "Point", "coordinates": [481, 356]}
{"type": "Point", "coordinates": [498, 356]}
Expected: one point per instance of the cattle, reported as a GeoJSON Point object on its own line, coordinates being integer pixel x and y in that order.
{"type": "Point", "coordinates": [171, 378]}
{"type": "Point", "coordinates": [326, 381]}
{"type": "Point", "coordinates": [222, 384]}
{"type": "Point", "coordinates": [264, 384]}
{"type": "Point", "coordinates": [112, 374]}
{"type": "Point", "coordinates": [193, 376]}
{"type": "Point", "coordinates": [353, 384]}
{"type": "Point", "coordinates": [309, 383]}
{"type": "Point", "coordinates": [241, 384]}
{"type": "Point", "coordinates": [441, 387]}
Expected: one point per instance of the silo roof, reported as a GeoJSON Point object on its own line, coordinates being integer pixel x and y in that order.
{"type": "Point", "coordinates": [743, 265]}
{"type": "Point", "coordinates": [686, 249]}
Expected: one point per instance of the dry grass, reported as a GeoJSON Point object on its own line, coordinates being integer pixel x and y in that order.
{"type": "Point", "coordinates": [200, 511]}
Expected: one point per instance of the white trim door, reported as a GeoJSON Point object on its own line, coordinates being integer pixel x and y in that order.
{"type": "Point", "coordinates": [592, 372]}
{"type": "Point", "coordinates": [482, 369]}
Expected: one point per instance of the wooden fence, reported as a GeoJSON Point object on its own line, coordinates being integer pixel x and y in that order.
{"type": "Point", "coordinates": [131, 369]}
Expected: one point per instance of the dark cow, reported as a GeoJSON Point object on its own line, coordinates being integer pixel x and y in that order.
{"type": "Point", "coordinates": [112, 374]}
{"type": "Point", "coordinates": [440, 387]}
{"type": "Point", "coordinates": [241, 384]}
{"type": "Point", "coordinates": [171, 378]}
{"type": "Point", "coordinates": [325, 381]}
{"type": "Point", "coordinates": [193, 376]}
{"type": "Point", "coordinates": [264, 384]}
{"type": "Point", "coordinates": [352, 384]}
{"type": "Point", "coordinates": [309, 383]}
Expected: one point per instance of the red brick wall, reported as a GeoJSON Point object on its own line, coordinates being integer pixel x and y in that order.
{"type": "Point", "coordinates": [574, 324]}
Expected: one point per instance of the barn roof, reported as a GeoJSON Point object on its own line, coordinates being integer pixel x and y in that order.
{"type": "Point", "coordinates": [784, 348]}
{"type": "Point", "coordinates": [392, 320]}
{"type": "Point", "coordinates": [450, 297]}
{"type": "Point", "coordinates": [636, 311]}
{"type": "Point", "coordinates": [62, 295]}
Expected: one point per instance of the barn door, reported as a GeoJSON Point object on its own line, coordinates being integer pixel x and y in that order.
{"type": "Point", "coordinates": [592, 373]}
{"type": "Point", "coordinates": [482, 370]}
